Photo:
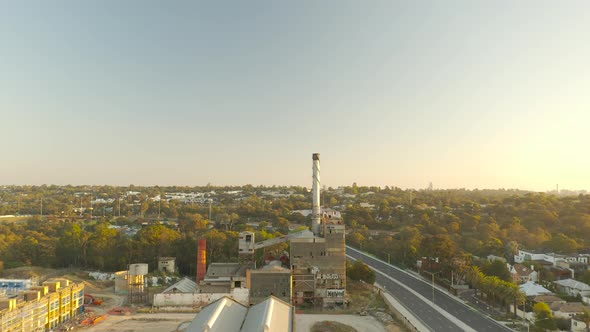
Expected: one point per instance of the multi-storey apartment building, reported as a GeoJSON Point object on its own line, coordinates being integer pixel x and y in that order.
{"type": "Point", "coordinates": [41, 307]}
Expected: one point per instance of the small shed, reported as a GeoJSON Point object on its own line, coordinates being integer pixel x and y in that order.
{"type": "Point", "coordinates": [167, 264]}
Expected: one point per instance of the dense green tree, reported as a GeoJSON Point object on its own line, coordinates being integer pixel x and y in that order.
{"type": "Point", "coordinates": [406, 249]}
{"type": "Point", "coordinates": [441, 247]}
{"type": "Point", "coordinates": [497, 268]}
{"type": "Point", "coordinates": [72, 246]}
{"type": "Point", "coordinates": [562, 243]}
{"type": "Point", "coordinates": [360, 271]}
{"type": "Point", "coordinates": [155, 241]}
{"type": "Point", "coordinates": [102, 252]}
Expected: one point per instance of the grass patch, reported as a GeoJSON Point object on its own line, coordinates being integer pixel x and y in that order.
{"type": "Point", "coordinates": [331, 326]}
{"type": "Point", "coordinates": [362, 297]}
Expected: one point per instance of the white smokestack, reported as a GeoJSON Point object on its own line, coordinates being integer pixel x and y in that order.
{"type": "Point", "coordinates": [315, 209]}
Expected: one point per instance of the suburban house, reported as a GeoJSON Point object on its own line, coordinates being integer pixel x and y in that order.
{"type": "Point", "coordinates": [549, 299]}
{"type": "Point", "coordinates": [537, 255]}
{"type": "Point", "coordinates": [573, 287]}
{"type": "Point", "coordinates": [567, 310]}
{"type": "Point", "coordinates": [521, 274]}
{"type": "Point", "coordinates": [533, 289]}
{"type": "Point", "coordinates": [562, 270]}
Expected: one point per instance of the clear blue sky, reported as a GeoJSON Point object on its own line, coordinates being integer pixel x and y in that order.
{"type": "Point", "coordinates": [474, 94]}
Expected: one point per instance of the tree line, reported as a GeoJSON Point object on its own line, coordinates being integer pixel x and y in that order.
{"type": "Point", "coordinates": [451, 225]}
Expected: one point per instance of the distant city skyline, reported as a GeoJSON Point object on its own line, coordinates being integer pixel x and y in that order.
{"type": "Point", "coordinates": [461, 94]}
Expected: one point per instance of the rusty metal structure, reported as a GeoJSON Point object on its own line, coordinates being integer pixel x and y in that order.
{"type": "Point", "coordinates": [201, 260]}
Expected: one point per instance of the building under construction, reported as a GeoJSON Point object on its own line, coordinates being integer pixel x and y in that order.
{"type": "Point", "coordinates": [42, 308]}
{"type": "Point", "coordinates": [317, 258]}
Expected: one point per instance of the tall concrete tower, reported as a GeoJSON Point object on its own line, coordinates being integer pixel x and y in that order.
{"type": "Point", "coordinates": [315, 209]}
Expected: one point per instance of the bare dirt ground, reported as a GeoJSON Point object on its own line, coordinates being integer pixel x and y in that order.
{"type": "Point", "coordinates": [303, 323]}
{"type": "Point", "coordinates": [160, 322]}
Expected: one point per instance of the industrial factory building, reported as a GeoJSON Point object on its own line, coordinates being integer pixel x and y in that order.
{"type": "Point", "coordinates": [42, 308]}
{"type": "Point", "coordinates": [318, 265]}
{"type": "Point", "coordinates": [315, 273]}
{"type": "Point", "coordinates": [223, 278]}
{"type": "Point", "coordinates": [317, 258]}
{"type": "Point", "coordinates": [270, 280]}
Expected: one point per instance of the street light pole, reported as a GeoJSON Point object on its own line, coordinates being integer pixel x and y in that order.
{"type": "Point", "coordinates": [432, 288]}
{"type": "Point", "coordinates": [432, 274]}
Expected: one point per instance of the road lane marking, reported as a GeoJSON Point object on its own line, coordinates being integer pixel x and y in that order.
{"type": "Point", "coordinates": [444, 313]}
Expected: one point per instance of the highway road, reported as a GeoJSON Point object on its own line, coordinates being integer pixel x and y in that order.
{"type": "Point", "coordinates": [416, 295]}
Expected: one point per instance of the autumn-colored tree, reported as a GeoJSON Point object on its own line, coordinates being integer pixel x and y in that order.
{"type": "Point", "coordinates": [543, 316]}
{"type": "Point", "coordinates": [360, 271]}
{"type": "Point", "coordinates": [475, 277]}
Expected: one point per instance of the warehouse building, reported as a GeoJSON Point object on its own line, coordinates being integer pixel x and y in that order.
{"type": "Point", "coordinates": [270, 280]}
{"type": "Point", "coordinates": [227, 315]}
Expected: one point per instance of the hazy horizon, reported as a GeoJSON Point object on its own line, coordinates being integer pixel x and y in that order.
{"type": "Point", "coordinates": [561, 190]}
{"type": "Point", "coordinates": [460, 94]}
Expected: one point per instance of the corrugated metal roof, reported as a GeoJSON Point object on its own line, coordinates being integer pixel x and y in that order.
{"type": "Point", "coordinates": [223, 315]}
{"type": "Point", "coordinates": [531, 289]}
{"type": "Point", "coordinates": [270, 315]}
{"type": "Point", "coordinates": [571, 283]}
{"type": "Point", "coordinates": [227, 315]}
{"type": "Point", "coordinates": [185, 285]}
{"type": "Point", "coordinates": [226, 270]}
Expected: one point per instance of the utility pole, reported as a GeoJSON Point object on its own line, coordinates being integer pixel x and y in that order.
{"type": "Point", "coordinates": [210, 200]}
{"type": "Point", "coordinates": [432, 274]}
{"type": "Point", "coordinates": [41, 207]}
{"type": "Point", "coordinates": [433, 288]}
{"type": "Point", "coordinates": [119, 203]}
